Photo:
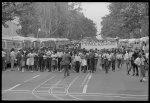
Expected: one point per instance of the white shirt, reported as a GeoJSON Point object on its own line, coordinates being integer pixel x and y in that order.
{"type": "Point", "coordinates": [48, 53]}
{"type": "Point", "coordinates": [104, 55]}
{"type": "Point", "coordinates": [77, 58]}
{"type": "Point", "coordinates": [59, 54]}
{"type": "Point", "coordinates": [119, 56]}
{"type": "Point", "coordinates": [130, 54]}
{"type": "Point", "coordinates": [96, 55]}
{"type": "Point", "coordinates": [53, 55]}
{"type": "Point", "coordinates": [139, 61]}
{"type": "Point", "coordinates": [108, 56]}
{"type": "Point", "coordinates": [126, 56]}
{"type": "Point", "coordinates": [83, 62]}
{"type": "Point", "coordinates": [44, 56]}
{"type": "Point", "coordinates": [12, 55]}
{"type": "Point", "coordinates": [147, 55]}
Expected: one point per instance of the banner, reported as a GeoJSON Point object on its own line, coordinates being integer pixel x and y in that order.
{"type": "Point", "coordinates": [99, 45]}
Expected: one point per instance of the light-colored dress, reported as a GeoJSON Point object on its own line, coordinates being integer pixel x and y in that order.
{"type": "Point", "coordinates": [30, 60]}
{"type": "Point", "coordinates": [98, 66]}
{"type": "Point", "coordinates": [83, 62]}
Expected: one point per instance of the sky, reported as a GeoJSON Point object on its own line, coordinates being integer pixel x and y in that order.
{"type": "Point", "coordinates": [95, 11]}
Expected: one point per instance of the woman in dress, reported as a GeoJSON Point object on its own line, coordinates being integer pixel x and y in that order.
{"type": "Point", "coordinates": [98, 66]}
{"type": "Point", "coordinates": [30, 61]}
{"type": "Point", "coordinates": [12, 58]}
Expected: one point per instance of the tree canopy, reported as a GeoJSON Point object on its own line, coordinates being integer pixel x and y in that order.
{"type": "Point", "coordinates": [126, 20]}
{"type": "Point", "coordinates": [50, 19]}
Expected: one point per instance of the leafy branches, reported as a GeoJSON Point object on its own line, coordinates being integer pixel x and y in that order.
{"type": "Point", "coordinates": [126, 20]}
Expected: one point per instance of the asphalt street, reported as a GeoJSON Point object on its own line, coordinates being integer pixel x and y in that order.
{"type": "Point", "coordinates": [17, 85]}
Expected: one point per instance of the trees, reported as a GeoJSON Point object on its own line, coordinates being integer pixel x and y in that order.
{"type": "Point", "coordinates": [12, 9]}
{"type": "Point", "coordinates": [55, 19]}
{"type": "Point", "coordinates": [126, 20]}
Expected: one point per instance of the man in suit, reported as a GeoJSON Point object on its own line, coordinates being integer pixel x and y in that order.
{"type": "Point", "coordinates": [66, 62]}
{"type": "Point", "coordinates": [135, 67]}
{"type": "Point", "coordinates": [92, 61]}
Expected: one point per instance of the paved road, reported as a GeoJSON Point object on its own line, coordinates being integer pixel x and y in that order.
{"type": "Point", "coordinates": [78, 86]}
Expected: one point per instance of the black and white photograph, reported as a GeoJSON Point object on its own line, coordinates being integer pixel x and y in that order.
{"type": "Point", "coordinates": [75, 51]}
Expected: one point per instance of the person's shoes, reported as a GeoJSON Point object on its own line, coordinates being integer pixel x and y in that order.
{"type": "Point", "coordinates": [137, 74]}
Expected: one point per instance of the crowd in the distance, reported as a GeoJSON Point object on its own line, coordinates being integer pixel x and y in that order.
{"type": "Point", "coordinates": [80, 60]}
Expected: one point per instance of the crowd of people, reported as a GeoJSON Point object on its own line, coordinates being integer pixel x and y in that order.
{"type": "Point", "coordinates": [80, 60]}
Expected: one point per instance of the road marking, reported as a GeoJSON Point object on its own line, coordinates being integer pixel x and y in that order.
{"type": "Point", "coordinates": [71, 83]}
{"type": "Point", "coordinates": [13, 87]}
{"type": "Point", "coordinates": [39, 86]}
{"type": "Point", "coordinates": [10, 88]}
{"type": "Point", "coordinates": [86, 85]}
{"type": "Point", "coordinates": [70, 86]}
{"type": "Point", "coordinates": [35, 76]}
{"type": "Point", "coordinates": [44, 87]}
{"type": "Point", "coordinates": [106, 94]}
{"type": "Point", "coordinates": [20, 90]}
{"type": "Point", "coordinates": [31, 78]}
{"type": "Point", "coordinates": [85, 79]}
{"type": "Point", "coordinates": [84, 89]}
{"type": "Point", "coordinates": [51, 88]}
{"type": "Point", "coordinates": [90, 76]}
{"type": "Point", "coordinates": [75, 97]}
{"type": "Point", "coordinates": [111, 96]}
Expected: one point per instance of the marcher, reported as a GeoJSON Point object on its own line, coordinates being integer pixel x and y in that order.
{"type": "Point", "coordinates": [44, 61]}
{"type": "Point", "coordinates": [30, 61]}
{"type": "Point", "coordinates": [59, 55]}
{"type": "Point", "coordinates": [77, 60]}
{"type": "Point", "coordinates": [92, 61]}
{"type": "Point", "coordinates": [113, 61]}
{"type": "Point", "coordinates": [22, 61]}
{"type": "Point", "coordinates": [19, 57]}
{"type": "Point", "coordinates": [12, 58]}
{"type": "Point", "coordinates": [36, 61]}
{"type": "Point", "coordinates": [3, 60]}
{"type": "Point", "coordinates": [65, 62]}
{"type": "Point", "coordinates": [49, 60]}
{"type": "Point", "coordinates": [135, 67]}
{"type": "Point", "coordinates": [83, 63]}
{"type": "Point", "coordinates": [139, 61]}
{"type": "Point", "coordinates": [40, 55]}
{"type": "Point", "coordinates": [126, 59]}
{"type": "Point", "coordinates": [54, 61]}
